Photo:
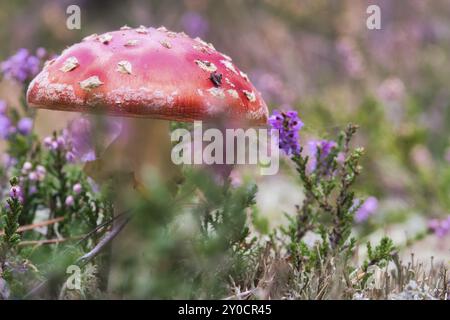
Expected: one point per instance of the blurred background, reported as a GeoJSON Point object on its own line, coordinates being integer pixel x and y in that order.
{"type": "Point", "coordinates": [318, 57]}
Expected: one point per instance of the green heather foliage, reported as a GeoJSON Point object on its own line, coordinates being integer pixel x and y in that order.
{"type": "Point", "coordinates": [203, 239]}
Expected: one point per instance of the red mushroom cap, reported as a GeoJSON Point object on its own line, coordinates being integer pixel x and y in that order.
{"type": "Point", "coordinates": [147, 72]}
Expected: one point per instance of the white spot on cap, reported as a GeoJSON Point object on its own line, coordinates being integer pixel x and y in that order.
{"type": "Point", "coordinates": [49, 62]}
{"type": "Point", "coordinates": [217, 92]}
{"type": "Point", "coordinates": [166, 44]}
{"type": "Point", "coordinates": [171, 34]}
{"type": "Point", "coordinates": [124, 67]}
{"type": "Point", "coordinates": [70, 64]}
{"type": "Point", "coordinates": [162, 29]}
{"type": "Point", "coordinates": [233, 93]}
{"type": "Point", "coordinates": [206, 65]}
{"type": "Point", "coordinates": [250, 95]}
{"type": "Point", "coordinates": [90, 83]}
{"type": "Point", "coordinates": [131, 43]}
{"type": "Point", "coordinates": [142, 30]}
{"type": "Point", "coordinates": [229, 65]}
{"type": "Point", "coordinates": [125, 27]}
{"type": "Point", "coordinates": [200, 92]}
{"type": "Point", "coordinates": [209, 45]}
{"type": "Point", "coordinates": [231, 84]}
{"type": "Point", "coordinates": [244, 75]}
{"type": "Point", "coordinates": [200, 48]}
{"type": "Point", "coordinates": [226, 57]}
{"type": "Point", "coordinates": [91, 37]}
{"type": "Point", "coordinates": [105, 38]}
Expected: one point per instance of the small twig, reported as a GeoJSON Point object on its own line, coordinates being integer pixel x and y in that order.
{"type": "Point", "coordinates": [241, 295]}
{"type": "Point", "coordinates": [109, 236]}
{"type": "Point", "coordinates": [36, 225]}
{"type": "Point", "coordinates": [100, 226]}
{"type": "Point", "coordinates": [41, 242]}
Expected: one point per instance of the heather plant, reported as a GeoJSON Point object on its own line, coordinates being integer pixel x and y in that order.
{"type": "Point", "coordinates": [198, 236]}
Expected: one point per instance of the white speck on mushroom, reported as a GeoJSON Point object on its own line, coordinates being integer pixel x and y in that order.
{"type": "Point", "coordinates": [49, 62]}
{"type": "Point", "coordinates": [244, 75]}
{"type": "Point", "coordinates": [131, 43]}
{"type": "Point", "coordinates": [227, 57]}
{"type": "Point", "coordinates": [124, 67]}
{"type": "Point", "coordinates": [200, 48]}
{"type": "Point", "coordinates": [205, 43]}
{"type": "Point", "coordinates": [105, 38]}
{"type": "Point", "coordinates": [142, 30]}
{"type": "Point", "coordinates": [90, 37]}
{"type": "Point", "coordinates": [233, 93]}
{"type": "Point", "coordinates": [229, 65]}
{"type": "Point", "coordinates": [216, 92]}
{"type": "Point", "coordinates": [171, 34]}
{"type": "Point", "coordinates": [125, 27]}
{"type": "Point", "coordinates": [206, 65]}
{"type": "Point", "coordinates": [166, 44]}
{"type": "Point", "coordinates": [90, 83]}
{"type": "Point", "coordinates": [70, 64]}
{"type": "Point", "coordinates": [231, 84]}
{"type": "Point", "coordinates": [183, 34]}
{"type": "Point", "coordinates": [95, 99]}
{"type": "Point", "coordinates": [250, 95]}
{"type": "Point", "coordinates": [200, 92]}
{"type": "Point", "coordinates": [162, 29]}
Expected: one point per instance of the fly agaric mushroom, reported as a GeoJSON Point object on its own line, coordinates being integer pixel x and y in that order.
{"type": "Point", "coordinates": [150, 73]}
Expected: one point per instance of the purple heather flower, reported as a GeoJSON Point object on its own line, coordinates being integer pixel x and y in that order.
{"type": "Point", "coordinates": [5, 126]}
{"type": "Point", "coordinates": [69, 201]}
{"type": "Point", "coordinates": [32, 190]}
{"type": "Point", "coordinates": [288, 124]}
{"type": "Point", "coordinates": [25, 125]}
{"type": "Point", "coordinates": [15, 192]}
{"type": "Point", "coordinates": [27, 166]}
{"type": "Point", "coordinates": [21, 66]}
{"type": "Point", "coordinates": [70, 157]}
{"type": "Point", "coordinates": [77, 188]}
{"type": "Point", "coordinates": [33, 176]}
{"type": "Point", "coordinates": [61, 142]}
{"type": "Point", "coordinates": [79, 133]}
{"type": "Point", "coordinates": [368, 208]}
{"type": "Point", "coordinates": [48, 142]}
{"type": "Point", "coordinates": [194, 24]}
{"type": "Point", "coordinates": [440, 227]}
{"type": "Point", "coordinates": [41, 172]}
{"type": "Point", "coordinates": [325, 147]}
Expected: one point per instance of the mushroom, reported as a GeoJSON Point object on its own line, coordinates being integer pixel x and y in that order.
{"type": "Point", "coordinates": [149, 73]}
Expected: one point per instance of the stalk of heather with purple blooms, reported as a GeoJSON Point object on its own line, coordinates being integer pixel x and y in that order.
{"type": "Point", "coordinates": [11, 213]}
{"type": "Point", "coordinates": [288, 124]}
{"type": "Point", "coordinates": [319, 153]}
{"type": "Point", "coordinates": [366, 209]}
{"type": "Point", "coordinates": [440, 228]}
